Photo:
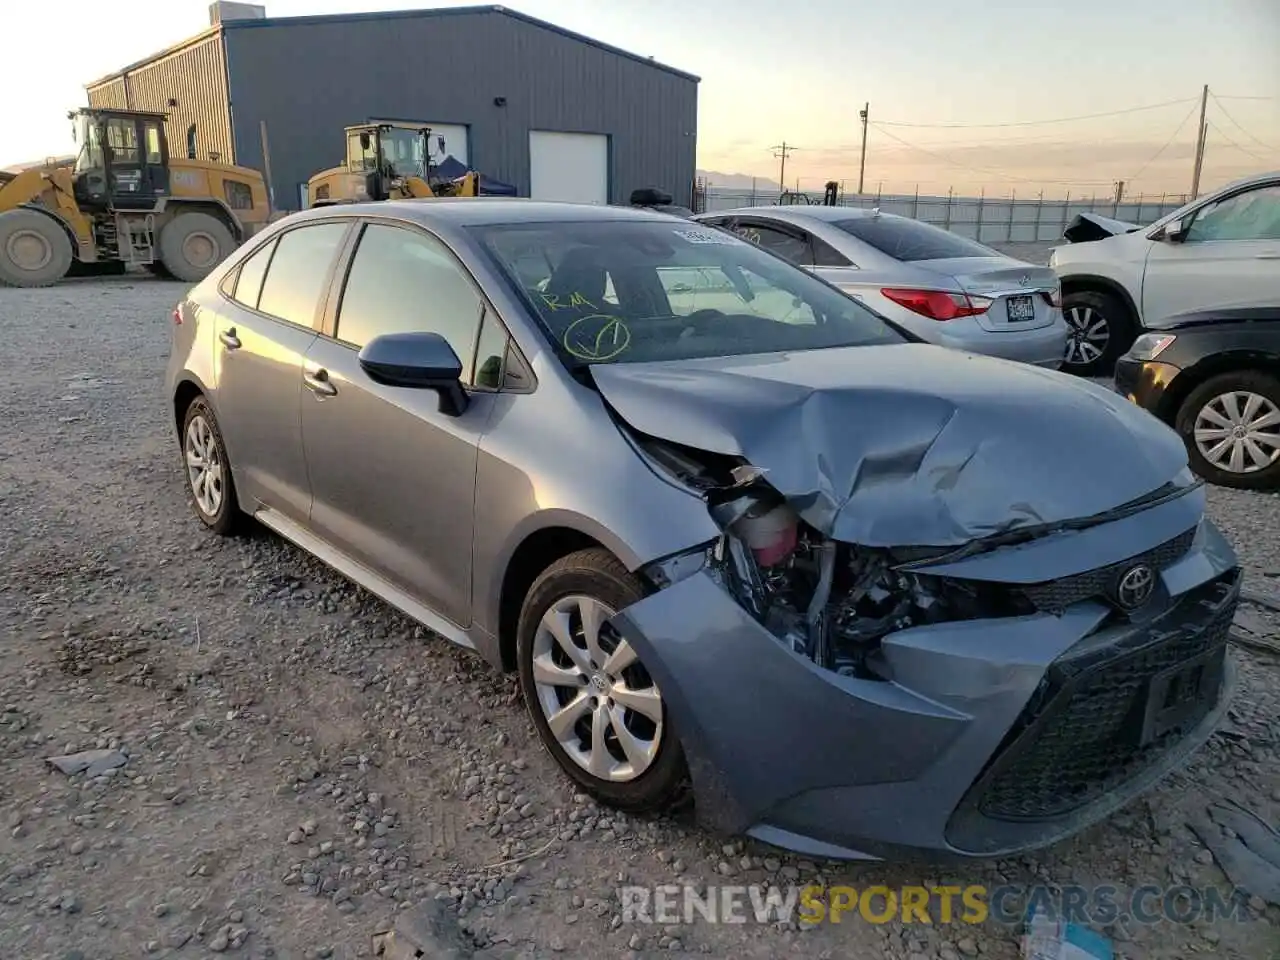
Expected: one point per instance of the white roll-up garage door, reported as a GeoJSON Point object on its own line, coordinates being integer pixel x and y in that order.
{"type": "Point", "coordinates": [569, 166]}
{"type": "Point", "coordinates": [455, 142]}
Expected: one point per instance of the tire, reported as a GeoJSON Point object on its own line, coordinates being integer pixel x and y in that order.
{"type": "Point", "coordinates": [202, 438]}
{"type": "Point", "coordinates": [34, 249]}
{"type": "Point", "coordinates": [1206, 404]}
{"type": "Point", "coordinates": [1111, 324]}
{"type": "Point", "coordinates": [192, 244]}
{"type": "Point", "coordinates": [587, 577]}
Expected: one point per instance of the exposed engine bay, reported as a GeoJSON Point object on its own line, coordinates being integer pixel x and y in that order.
{"type": "Point", "coordinates": [830, 601]}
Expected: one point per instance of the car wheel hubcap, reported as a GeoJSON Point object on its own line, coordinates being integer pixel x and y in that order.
{"type": "Point", "coordinates": [600, 703]}
{"type": "Point", "coordinates": [1087, 335]}
{"type": "Point", "coordinates": [27, 250]}
{"type": "Point", "coordinates": [1239, 432]}
{"type": "Point", "coordinates": [204, 466]}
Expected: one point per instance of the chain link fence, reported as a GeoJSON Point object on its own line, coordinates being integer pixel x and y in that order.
{"type": "Point", "coordinates": [986, 219]}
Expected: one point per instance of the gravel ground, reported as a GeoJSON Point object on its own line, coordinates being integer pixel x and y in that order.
{"type": "Point", "coordinates": [302, 762]}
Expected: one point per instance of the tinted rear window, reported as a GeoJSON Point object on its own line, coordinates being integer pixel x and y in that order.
{"type": "Point", "coordinates": [905, 239]}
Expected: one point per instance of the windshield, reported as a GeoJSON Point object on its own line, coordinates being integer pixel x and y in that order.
{"type": "Point", "coordinates": [908, 240]}
{"type": "Point", "coordinates": [626, 291]}
{"type": "Point", "coordinates": [403, 152]}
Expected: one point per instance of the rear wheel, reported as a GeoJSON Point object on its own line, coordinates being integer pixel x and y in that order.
{"type": "Point", "coordinates": [1231, 426]}
{"type": "Point", "coordinates": [192, 244]}
{"type": "Point", "coordinates": [208, 472]}
{"type": "Point", "coordinates": [1099, 329]}
{"type": "Point", "coordinates": [34, 249]}
{"type": "Point", "coordinates": [593, 703]}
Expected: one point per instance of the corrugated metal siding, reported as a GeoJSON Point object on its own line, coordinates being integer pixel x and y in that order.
{"type": "Point", "coordinates": [195, 76]}
{"type": "Point", "coordinates": [449, 70]}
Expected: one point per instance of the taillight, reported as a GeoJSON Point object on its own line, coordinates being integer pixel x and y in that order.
{"type": "Point", "coordinates": [177, 316]}
{"type": "Point", "coordinates": [1054, 296]}
{"type": "Point", "coordinates": [937, 305]}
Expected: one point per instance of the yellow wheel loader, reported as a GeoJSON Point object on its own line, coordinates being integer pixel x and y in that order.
{"type": "Point", "coordinates": [124, 202]}
{"type": "Point", "coordinates": [387, 161]}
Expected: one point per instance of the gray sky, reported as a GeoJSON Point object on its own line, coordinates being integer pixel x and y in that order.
{"type": "Point", "coordinates": [957, 90]}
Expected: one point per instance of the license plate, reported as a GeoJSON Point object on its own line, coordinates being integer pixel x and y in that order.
{"type": "Point", "coordinates": [1180, 693]}
{"type": "Point", "coordinates": [1020, 309]}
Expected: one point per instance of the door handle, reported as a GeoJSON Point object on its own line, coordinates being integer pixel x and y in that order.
{"type": "Point", "coordinates": [229, 339]}
{"type": "Point", "coordinates": [318, 382]}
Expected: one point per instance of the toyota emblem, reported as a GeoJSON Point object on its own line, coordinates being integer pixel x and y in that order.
{"type": "Point", "coordinates": [1135, 586]}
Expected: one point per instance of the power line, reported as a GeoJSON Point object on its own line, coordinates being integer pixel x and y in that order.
{"type": "Point", "coordinates": [1167, 144]}
{"type": "Point", "coordinates": [983, 170]}
{"type": "Point", "coordinates": [1034, 123]}
{"type": "Point", "coordinates": [1238, 125]}
{"type": "Point", "coordinates": [1225, 96]}
{"type": "Point", "coordinates": [1222, 133]}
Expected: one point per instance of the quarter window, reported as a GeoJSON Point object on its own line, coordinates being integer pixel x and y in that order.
{"type": "Point", "coordinates": [249, 283]}
{"type": "Point", "coordinates": [404, 281]}
{"type": "Point", "coordinates": [299, 272]}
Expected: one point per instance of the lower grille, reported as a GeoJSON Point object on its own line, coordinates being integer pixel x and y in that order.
{"type": "Point", "coordinates": [1055, 596]}
{"type": "Point", "coordinates": [1104, 714]}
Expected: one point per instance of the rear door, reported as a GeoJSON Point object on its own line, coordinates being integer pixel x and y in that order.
{"type": "Point", "coordinates": [393, 477]}
{"type": "Point", "coordinates": [274, 303]}
{"type": "Point", "coordinates": [1231, 254]}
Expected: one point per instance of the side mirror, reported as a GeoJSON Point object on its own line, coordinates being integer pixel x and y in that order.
{"type": "Point", "coordinates": [1175, 231]}
{"type": "Point", "coordinates": [418, 361]}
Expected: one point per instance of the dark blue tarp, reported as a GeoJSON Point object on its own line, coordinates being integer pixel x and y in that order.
{"type": "Point", "coordinates": [450, 168]}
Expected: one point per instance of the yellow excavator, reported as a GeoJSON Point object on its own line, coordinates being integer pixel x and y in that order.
{"type": "Point", "coordinates": [387, 161]}
{"type": "Point", "coordinates": [125, 201]}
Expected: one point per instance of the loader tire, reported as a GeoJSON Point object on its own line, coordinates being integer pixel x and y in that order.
{"type": "Point", "coordinates": [34, 249]}
{"type": "Point", "coordinates": [192, 244]}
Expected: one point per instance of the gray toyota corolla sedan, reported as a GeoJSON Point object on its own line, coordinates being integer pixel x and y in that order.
{"type": "Point", "coordinates": [735, 531]}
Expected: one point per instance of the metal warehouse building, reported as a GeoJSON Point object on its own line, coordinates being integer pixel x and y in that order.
{"type": "Point", "coordinates": [555, 113]}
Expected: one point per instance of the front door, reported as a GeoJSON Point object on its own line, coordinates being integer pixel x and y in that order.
{"type": "Point", "coordinates": [393, 477]}
{"type": "Point", "coordinates": [262, 337]}
{"type": "Point", "coordinates": [1230, 254]}
{"type": "Point", "coordinates": [136, 162]}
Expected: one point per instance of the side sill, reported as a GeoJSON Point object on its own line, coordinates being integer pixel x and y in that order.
{"type": "Point", "coordinates": [359, 574]}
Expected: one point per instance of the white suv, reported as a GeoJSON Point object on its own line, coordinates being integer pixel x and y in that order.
{"type": "Point", "coordinates": [1220, 250]}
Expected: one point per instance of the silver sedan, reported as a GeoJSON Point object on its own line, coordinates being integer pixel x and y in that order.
{"type": "Point", "coordinates": [944, 288]}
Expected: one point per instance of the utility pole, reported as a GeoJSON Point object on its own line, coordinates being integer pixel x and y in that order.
{"type": "Point", "coordinates": [782, 150]}
{"type": "Point", "coordinates": [1119, 191]}
{"type": "Point", "coordinates": [864, 113]}
{"type": "Point", "coordinates": [1201, 131]}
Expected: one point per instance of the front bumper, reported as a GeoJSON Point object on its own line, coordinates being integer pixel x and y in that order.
{"type": "Point", "coordinates": [993, 736]}
{"type": "Point", "coordinates": [1145, 382]}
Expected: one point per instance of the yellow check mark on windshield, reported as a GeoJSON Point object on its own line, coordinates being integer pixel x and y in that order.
{"type": "Point", "coordinates": [597, 338]}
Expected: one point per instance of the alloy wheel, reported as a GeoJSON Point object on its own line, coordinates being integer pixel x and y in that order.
{"type": "Point", "coordinates": [1238, 432]}
{"type": "Point", "coordinates": [204, 466]}
{"type": "Point", "coordinates": [1088, 335]}
{"type": "Point", "coordinates": [599, 702]}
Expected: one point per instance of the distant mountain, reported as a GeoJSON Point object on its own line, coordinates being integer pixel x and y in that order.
{"type": "Point", "coordinates": [738, 181]}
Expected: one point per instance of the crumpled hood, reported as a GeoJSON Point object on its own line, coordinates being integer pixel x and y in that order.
{"type": "Point", "coordinates": [906, 445]}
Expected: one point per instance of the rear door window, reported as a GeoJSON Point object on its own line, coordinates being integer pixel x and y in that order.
{"type": "Point", "coordinates": [790, 246]}
{"type": "Point", "coordinates": [299, 272]}
{"type": "Point", "coordinates": [909, 240]}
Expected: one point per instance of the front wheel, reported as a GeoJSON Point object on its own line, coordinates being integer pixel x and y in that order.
{"type": "Point", "coordinates": [1099, 329]}
{"type": "Point", "coordinates": [1231, 427]}
{"type": "Point", "coordinates": [34, 249]}
{"type": "Point", "coordinates": [595, 706]}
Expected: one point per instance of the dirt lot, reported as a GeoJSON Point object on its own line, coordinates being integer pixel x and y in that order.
{"type": "Point", "coordinates": [303, 762]}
